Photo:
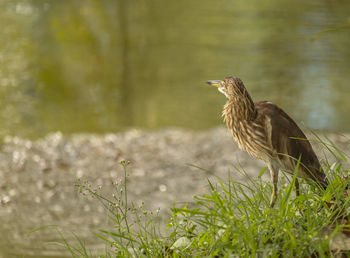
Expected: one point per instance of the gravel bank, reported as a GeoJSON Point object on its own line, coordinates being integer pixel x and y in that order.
{"type": "Point", "coordinates": [37, 178]}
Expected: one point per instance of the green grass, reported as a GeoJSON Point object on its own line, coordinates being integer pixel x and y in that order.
{"type": "Point", "coordinates": [232, 220]}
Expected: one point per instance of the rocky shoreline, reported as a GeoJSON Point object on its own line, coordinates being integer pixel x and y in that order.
{"type": "Point", "coordinates": [37, 179]}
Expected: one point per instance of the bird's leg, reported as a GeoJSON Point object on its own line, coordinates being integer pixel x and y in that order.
{"type": "Point", "coordinates": [274, 177]}
{"type": "Point", "coordinates": [297, 187]}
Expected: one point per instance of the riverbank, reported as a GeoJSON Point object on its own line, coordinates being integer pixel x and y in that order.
{"type": "Point", "coordinates": [37, 179]}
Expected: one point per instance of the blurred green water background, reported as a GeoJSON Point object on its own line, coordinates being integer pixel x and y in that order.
{"type": "Point", "coordinates": [108, 65]}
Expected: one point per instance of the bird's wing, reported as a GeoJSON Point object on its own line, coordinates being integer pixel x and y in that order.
{"type": "Point", "coordinates": [287, 140]}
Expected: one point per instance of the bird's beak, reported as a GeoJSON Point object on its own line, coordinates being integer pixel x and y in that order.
{"type": "Point", "coordinates": [215, 83]}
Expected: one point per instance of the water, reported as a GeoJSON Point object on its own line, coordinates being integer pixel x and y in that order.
{"type": "Point", "coordinates": [102, 66]}
{"type": "Point", "coordinates": [106, 65]}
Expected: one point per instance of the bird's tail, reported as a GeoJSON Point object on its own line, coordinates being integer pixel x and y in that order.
{"type": "Point", "coordinates": [320, 178]}
{"type": "Point", "coordinates": [323, 183]}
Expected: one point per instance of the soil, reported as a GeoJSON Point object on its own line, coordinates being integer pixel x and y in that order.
{"type": "Point", "coordinates": [38, 178]}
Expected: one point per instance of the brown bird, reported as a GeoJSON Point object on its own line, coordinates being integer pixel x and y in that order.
{"type": "Point", "coordinates": [266, 132]}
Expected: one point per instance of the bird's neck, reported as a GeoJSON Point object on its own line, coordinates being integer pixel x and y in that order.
{"type": "Point", "coordinates": [239, 108]}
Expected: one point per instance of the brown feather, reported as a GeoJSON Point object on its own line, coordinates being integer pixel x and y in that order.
{"type": "Point", "coordinates": [289, 142]}
{"type": "Point", "coordinates": [265, 131]}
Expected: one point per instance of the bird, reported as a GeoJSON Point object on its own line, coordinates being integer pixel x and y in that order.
{"type": "Point", "coordinates": [266, 132]}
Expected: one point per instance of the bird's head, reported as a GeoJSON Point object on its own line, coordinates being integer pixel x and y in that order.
{"type": "Point", "coordinates": [230, 86]}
